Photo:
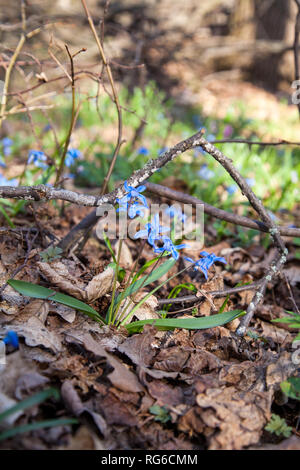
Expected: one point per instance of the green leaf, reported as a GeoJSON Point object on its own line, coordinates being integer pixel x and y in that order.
{"type": "Point", "coordinates": [38, 425]}
{"type": "Point", "coordinates": [108, 244]}
{"type": "Point", "coordinates": [40, 292]}
{"type": "Point", "coordinates": [31, 401]}
{"type": "Point", "coordinates": [291, 387]}
{"type": "Point", "coordinates": [186, 323]}
{"type": "Point", "coordinates": [145, 280]}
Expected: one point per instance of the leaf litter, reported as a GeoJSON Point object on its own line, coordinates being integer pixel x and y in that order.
{"type": "Point", "coordinates": [216, 390]}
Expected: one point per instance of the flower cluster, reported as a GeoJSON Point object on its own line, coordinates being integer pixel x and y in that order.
{"type": "Point", "coordinates": [134, 203]}
{"type": "Point", "coordinates": [205, 263]}
{"type": "Point", "coordinates": [38, 158]}
{"type": "Point", "coordinates": [6, 182]}
{"type": "Point", "coordinates": [71, 156]}
{"type": "Point", "coordinates": [154, 233]}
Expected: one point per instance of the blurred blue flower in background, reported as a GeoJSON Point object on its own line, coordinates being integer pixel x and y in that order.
{"type": "Point", "coordinates": [163, 150]}
{"type": "Point", "coordinates": [231, 189]}
{"type": "Point", "coordinates": [173, 212]}
{"type": "Point", "coordinates": [198, 151]}
{"type": "Point", "coordinates": [38, 158]}
{"type": "Point", "coordinates": [6, 182]}
{"type": "Point", "coordinates": [71, 156]}
{"type": "Point", "coordinates": [143, 151]}
{"type": "Point", "coordinates": [250, 181]}
{"type": "Point", "coordinates": [205, 172]}
{"type": "Point", "coordinates": [6, 143]}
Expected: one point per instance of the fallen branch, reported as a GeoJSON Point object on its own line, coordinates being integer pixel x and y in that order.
{"type": "Point", "coordinates": [218, 213]}
{"type": "Point", "coordinates": [273, 229]}
{"type": "Point", "coordinates": [213, 293]}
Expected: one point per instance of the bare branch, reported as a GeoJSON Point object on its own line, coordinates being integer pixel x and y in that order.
{"type": "Point", "coordinates": [218, 213]}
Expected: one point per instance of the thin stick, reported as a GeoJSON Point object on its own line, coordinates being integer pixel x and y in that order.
{"type": "Point", "coordinates": [115, 97]}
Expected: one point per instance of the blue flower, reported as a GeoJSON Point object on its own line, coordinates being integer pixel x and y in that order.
{"type": "Point", "coordinates": [163, 150]}
{"type": "Point", "coordinates": [143, 151]}
{"type": "Point", "coordinates": [71, 156]}
{"type": "Point", "coordinates": [6, 142]}
{"type": "Point", "coordinates": [134, 194]}
{"type": "Point", "coordinates": [7, 151]}
{"type": "Point", "coordinates": [198, 151]}
{"type": "Point", "coordinates": [12, 339]}
{"type": "Point", "coordinates": [205, 263]}
{"type": "Point", "coordinates": [136, 209]}
{"type": "Point", "coordinates": [37, 158]}
{"type": "Point", "coordinates": [205, 173]}
{"type": "Point", "coordinates": [173, 212]}
{"type": "Point", "coordinates": [250, 181]}
{"type": "Point", "coordinates": [168, 246]}
{"type": "Point", "coordinates": [5, 182]}
{"type": "Point", "coordinates": [231, 189]}
{"type": "Point", "coordinates": [153, 231]}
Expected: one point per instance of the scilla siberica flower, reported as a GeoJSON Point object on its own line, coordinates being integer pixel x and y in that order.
{"type": "Point", "coordinates": [174, 212]}
{"type": "Point", "coordinates": [205, 263]}
{"type": "Point", "coordinates": [169, 247]}
{"type": "Point", "coordinates": [71, 156]}
{"type": "Point", "coordinates": [134, 203]}
{"type": "Point", "coordinates": [153, 231]}
{"type": "Point", "coordinates": [6, 182]}
{"type": "Point", "coordinates": [38, 158]}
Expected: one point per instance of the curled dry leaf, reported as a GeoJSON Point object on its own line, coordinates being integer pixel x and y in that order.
{"type": "Point", "coordinates": [121, 377]}
{"type": "Point", "coordinates": [6, 403]}
{"type": "Point", "coordinates": [100, 285]}
{"type": "Point", "coordinates": [57, 274]}
{"type": "Point", "coordinates": [125, 259]}
{"type": "Point", "coordinates": [145, 312]}
{"type": "Point", "coordinates": [36, 334]}
{"type": "Point", "coordinates": [75, 405]}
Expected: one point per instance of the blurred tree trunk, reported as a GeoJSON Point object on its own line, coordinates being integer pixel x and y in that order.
{"type": "Point", "coordinates": [264, 20]}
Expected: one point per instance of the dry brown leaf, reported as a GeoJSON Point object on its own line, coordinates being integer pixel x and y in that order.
{"type": "Point", "coordinates": [126, 260]}
{"type": "Point", "coordinates": [145, 312]}
{"type": "Point", "coordinates": [75, 405]}
{"type": "Point", "coordinates": [121, 377]}
{"type": "Point", "coordinates": [38, 308]}
{"type": "Point", "coordinates": [57, 274]}
{"type": "Point", "coordinates": [237, 417]}
{"type": "Point", "coordinates": [100, 285]}
{"type": "Point", "coordinates": [36, 334]}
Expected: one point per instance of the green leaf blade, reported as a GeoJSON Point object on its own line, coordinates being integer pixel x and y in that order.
{"type": "Point", "coordinates": [186, 323]}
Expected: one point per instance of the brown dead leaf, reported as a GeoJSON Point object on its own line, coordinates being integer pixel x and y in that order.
{"type": "Point", "coordinates": [126, 260]}
{"type": "Point", "coordinates": [75, 405]}
{"type": "Point", "coordinates": [36, 334]}
{"type": "Point", "coordinates": [100, 285]}
{"type": "Point", "coordinates": [145, 312]}
{"type": "Point", "coordinates": [58, 275]}
{"type": "Point", "coordinates": [237, 417]}
{"type": "Point", "coordinates": [165, 394]}
{"type": "Point", "coordinates": [121, 377]}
